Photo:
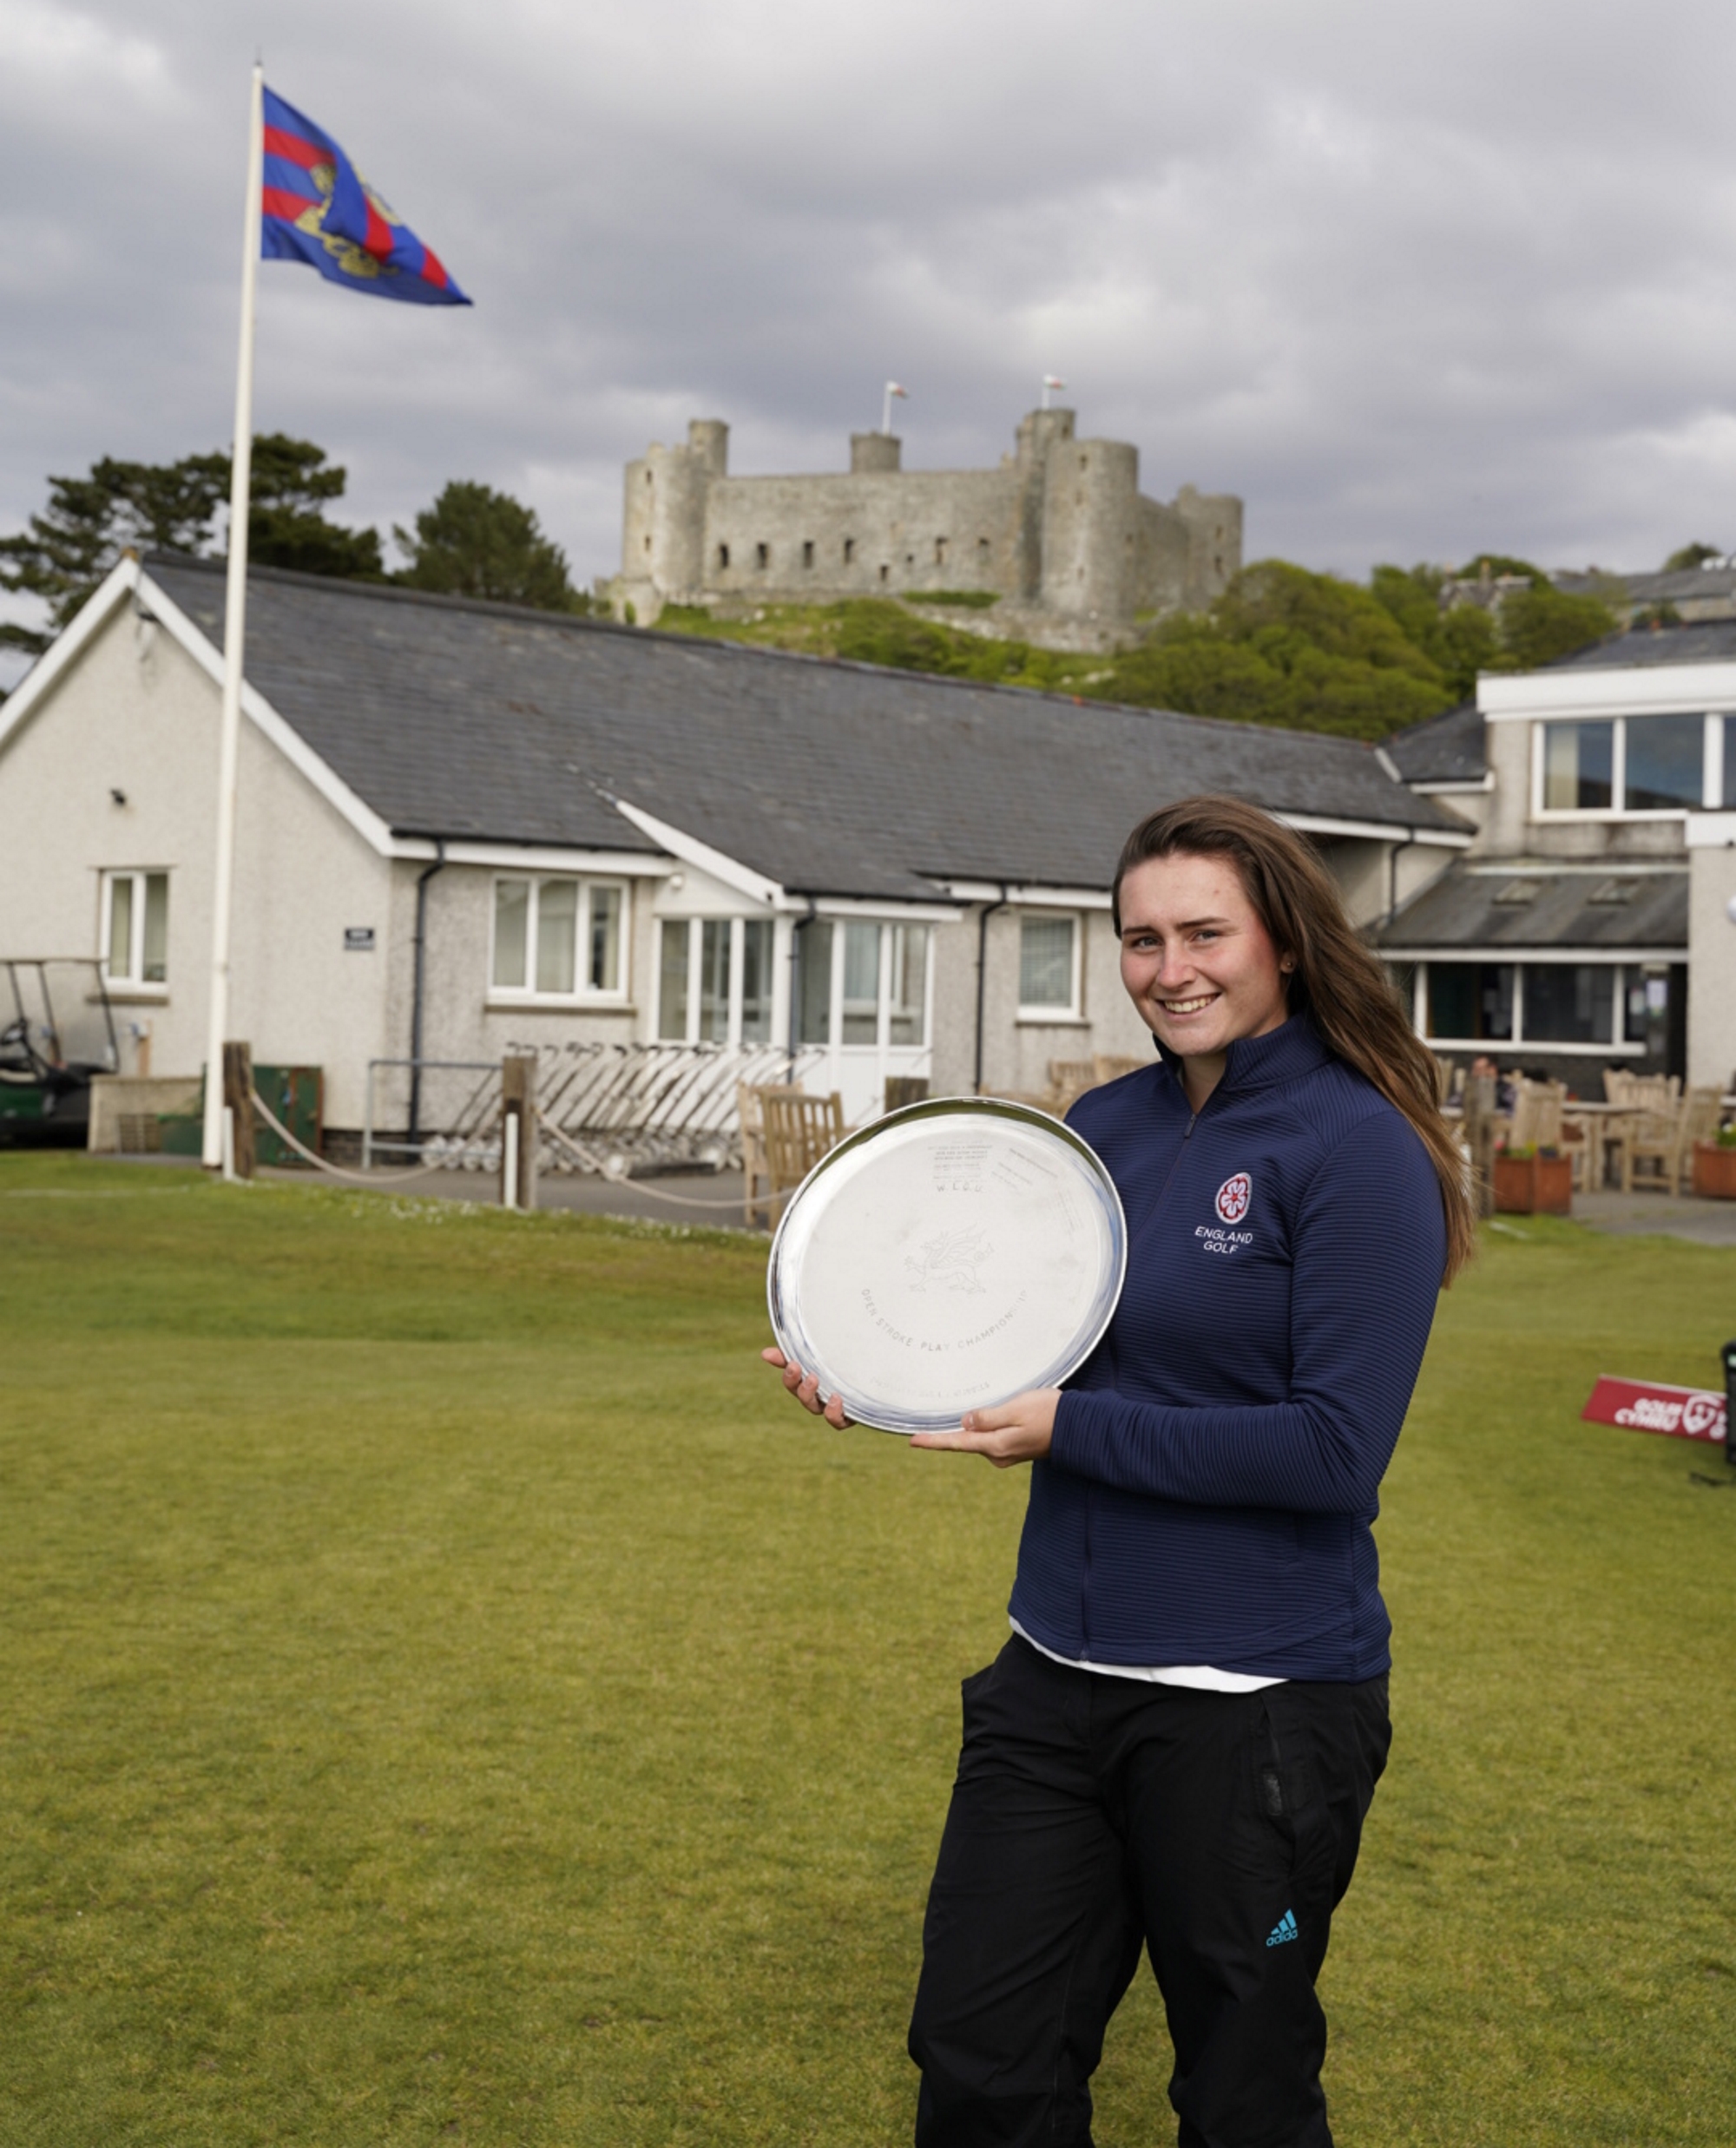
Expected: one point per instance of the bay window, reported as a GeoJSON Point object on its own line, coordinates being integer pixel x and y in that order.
{"type": "Point", "coordinates": [715, 980]}
{"type": "Point", "coordinates": [557, 938]}
{"type": "Point", "coordinates": [862, 983]}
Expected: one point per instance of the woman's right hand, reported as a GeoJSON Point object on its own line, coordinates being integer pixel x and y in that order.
{"type": "Point", "coordinates": [804, 1386]}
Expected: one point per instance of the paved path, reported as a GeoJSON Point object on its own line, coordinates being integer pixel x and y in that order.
{"type": "Point", "coordinates": [1668, 1215]}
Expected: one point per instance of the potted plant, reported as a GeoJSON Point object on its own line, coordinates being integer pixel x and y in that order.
{"type": "Point", "coordinates": [1532, 1182]}
{"type": "Point", "coordinates": [1714, 1166]}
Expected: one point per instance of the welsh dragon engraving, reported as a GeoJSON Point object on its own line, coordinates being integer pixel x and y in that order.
{"type": "Point", "coordinates": [951, 1261]}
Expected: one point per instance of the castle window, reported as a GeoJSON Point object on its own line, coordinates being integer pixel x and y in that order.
{"type": "Point", "coordinates": [981, 548]}
{"type": "Point", "coordinates": [1084, 462]}
{"type": "Point", "coordinates": [648, 476]}
{"type": "Point", "coordinates": [762, 555]}
{"type": "Point", "coordinates": [885, 572]}
{"type": "Point", "coordinates": [723, 555]}
{"type": "Point", "coordinates": [808, 552]}
{"type": "Point", "coordinates": [940, 551]}
{"type": "Point", "coordinates": [849, 550]}
{"type": "Point", "coordinates": [648, 544]}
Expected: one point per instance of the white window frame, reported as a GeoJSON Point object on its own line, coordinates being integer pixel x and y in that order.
{"type": "Point", "coordinates": [584, 993]}
{"type": "Point", "coordinates": [1711, 770]}
{"type": "Point", "coordinates": [1620, 1045]}
{"type": "Point", "coordinates": [134, 985]}
{"type": "Point", "coordinates": [695, 925]}
{"type": "Point", "coordinates": [1074, 1011]}
{"type": "Point", "coordinates": [882, 1040]}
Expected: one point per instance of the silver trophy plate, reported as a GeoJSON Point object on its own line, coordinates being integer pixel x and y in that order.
{"type": "Point", "coordinates": [946, 1258]}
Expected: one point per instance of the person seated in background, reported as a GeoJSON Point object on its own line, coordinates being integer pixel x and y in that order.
{"type": "Point", "coordinates": [1506, 1095]}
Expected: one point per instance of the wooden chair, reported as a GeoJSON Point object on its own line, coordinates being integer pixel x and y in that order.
{"type": "Point", "coordinates": [799, 1130]}
{"type": "Point", "coordinates": [902, 1089]}
{"type": "Point", "coordinates": [1666, 1139]}
{"type": "Point", "coordinates": [749, 1105]}
{"type": "Point", "coordinates": [1068, 1078]}
{"type": "Point", "coordinates": [1111, 1066]}
{"type": "Point", "coordinates": [1537, 1116]}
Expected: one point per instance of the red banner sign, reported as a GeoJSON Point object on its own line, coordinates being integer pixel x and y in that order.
{"type": "Point", "coordinates": [1687, 1413]}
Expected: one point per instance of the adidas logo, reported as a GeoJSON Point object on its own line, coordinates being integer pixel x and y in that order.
{"type": "Point", "coordinates": [1284, 1928]}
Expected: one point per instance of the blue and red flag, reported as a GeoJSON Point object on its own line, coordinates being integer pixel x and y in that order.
{"type": "Point", "coordinates": [318, 209]}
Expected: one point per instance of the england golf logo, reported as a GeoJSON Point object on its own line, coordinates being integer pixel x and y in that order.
{"type": "Point", "coordinates": [1234, 1196]}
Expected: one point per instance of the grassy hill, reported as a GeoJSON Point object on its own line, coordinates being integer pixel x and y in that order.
{"type": "Point", "coordinates": [1282, 646]}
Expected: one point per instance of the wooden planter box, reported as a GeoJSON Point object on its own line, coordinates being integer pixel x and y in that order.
{"type": "Point", "coordinates": [1533, 1185]}
{"type": "Point", "coordinates": [1714, 1171]}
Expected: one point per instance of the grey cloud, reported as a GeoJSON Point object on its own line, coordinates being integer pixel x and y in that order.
{"type": "Point", "coordinates": [1412, 281]}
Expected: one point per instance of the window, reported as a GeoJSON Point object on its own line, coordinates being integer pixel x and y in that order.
{"type": "Point", "coordinates": [557, 938]}
{"type": "Point", "coordinates": [1048, 964]}
{"type": "Point", "coordinates": [1665, 770]}
{"type": "Point", "coordinates": [1573, 1005]}
{"type": "Point", "coordinates": [762, 555]}
{"type": "Point", "coordinates": [813, 986]}
{"type": "Point", "coordinates": [807, 551]}
{"type": "Point", "coordinates": [849, 550]}
{"type": "Point", "coordinates": [715, 980]}
{"type": "Point", "coordinates": [1472, 1001]}
{"type": "Point", "coordinates": [1578, 765]}
{"type": "Point", "coordinates": [1635, 765]}
{"type": "Point", "coordinates": [1569, 1003]}
{"type": "Point", "coordinates": [879, 975]}
{"type": "Point", "coordinates": [723, 555]}
{"type": "Point", "coordinates": [861, 984]}
{"type": "Point", "coordinates": [136, 928]}
{"type": "Point", "coordinates": [940, 551]}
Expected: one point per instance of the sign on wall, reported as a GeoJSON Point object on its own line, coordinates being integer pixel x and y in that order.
{"type": "Point", "coordinates": [358, 939]}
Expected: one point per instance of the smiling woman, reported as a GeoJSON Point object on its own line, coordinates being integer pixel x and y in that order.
{"type": "Point", "coordinates": [1175, 1750]}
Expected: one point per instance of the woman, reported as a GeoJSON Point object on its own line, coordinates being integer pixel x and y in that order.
{"type": "Point", "coordinates": [1178, 1745]}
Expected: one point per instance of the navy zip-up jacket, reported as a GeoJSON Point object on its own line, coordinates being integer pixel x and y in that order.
{"type": "Point", "coordinates": [1216, 1461]}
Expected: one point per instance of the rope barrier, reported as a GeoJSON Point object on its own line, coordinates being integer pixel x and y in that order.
{"type": "Point", "coordinates": [438, 1171]}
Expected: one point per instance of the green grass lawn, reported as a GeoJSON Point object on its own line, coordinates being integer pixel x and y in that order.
{"type": "Point", "coordinates": [447, 1692]}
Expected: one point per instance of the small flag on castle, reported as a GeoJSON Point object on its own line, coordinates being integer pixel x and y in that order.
{"type": "Point", "coordinates": [317, 207]}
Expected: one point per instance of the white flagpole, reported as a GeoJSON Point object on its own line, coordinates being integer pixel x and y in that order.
{"type": "Point", "coordinates": [234, 635]}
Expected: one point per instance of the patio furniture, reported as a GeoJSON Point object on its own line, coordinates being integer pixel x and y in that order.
{"type": "Point", "coordinates": [1666, 1139]}
{"type": "Point", "coordinates": [1111, 1066]}
{"type": "Point", "coordinates": [750, 1099]}
{"type": "Point", "coordinates": [799, 1130]}
{"type": "Point", "coordinates": [1068, 1079]}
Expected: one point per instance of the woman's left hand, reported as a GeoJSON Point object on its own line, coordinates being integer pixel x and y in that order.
{"type": "Point", "coordinates": [1008, 1433]}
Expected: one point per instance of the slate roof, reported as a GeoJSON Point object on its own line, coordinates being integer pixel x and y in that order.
{"type": "Point", "coordinates": [1700, 642]}
{"type": "Point", "coordinates": [1543, 909]}
{"type": "Point", "coordinates": [485, 722]}
{"type": "Point", "coordinates": [1447, 748]}
{"type": "Point", "coordinates": [1681, 585]}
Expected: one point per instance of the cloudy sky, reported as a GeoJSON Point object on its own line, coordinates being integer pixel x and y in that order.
{"type": "Point", "coordinates": [1415, 281]}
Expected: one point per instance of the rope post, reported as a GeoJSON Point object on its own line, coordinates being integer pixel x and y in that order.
{"type": "Point", "coordinates": [238, 1098]}
{"type": "Point", "coordinates": [518, 1131]}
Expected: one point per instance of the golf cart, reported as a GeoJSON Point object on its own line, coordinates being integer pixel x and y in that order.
{"type": "Point", "coordinates": [55, 1031]}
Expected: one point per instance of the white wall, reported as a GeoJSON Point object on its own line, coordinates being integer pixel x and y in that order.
{"type": "Point", "coordinates": [136, 714]}
{"type": "Point", "coordinates": [1712, 970]}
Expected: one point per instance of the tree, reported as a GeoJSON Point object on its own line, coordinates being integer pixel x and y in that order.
{"type": "Point", "coordinates": [478, 542]}
{"type": "Point", "coordinates": [286, 524]}
{"type": "Point", "coordinates": [1542, 624]}
{"type": "Point", "coordinates": [90, 521]}
{"type": "Point", "coordinates": [1282, 646]}
{"type": "Point", "coordinates": [1690, 556]}
{"type": "Point", "coordinates": [171, 506]}
{"type": "Point", "coordinates": [1459, 643]}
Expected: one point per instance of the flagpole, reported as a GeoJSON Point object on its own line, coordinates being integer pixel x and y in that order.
{"type": "Point", "coordinates": [234, 635]}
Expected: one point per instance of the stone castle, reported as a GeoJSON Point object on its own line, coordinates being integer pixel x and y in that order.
{"type": "Point", "coordinates": [1061, 534]}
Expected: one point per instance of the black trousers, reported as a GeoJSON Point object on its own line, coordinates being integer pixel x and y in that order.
{"type": "Point", "coordinates": [1093, 1815]}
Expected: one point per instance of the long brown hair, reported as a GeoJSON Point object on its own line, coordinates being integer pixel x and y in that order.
{"type": "Point", "coordinates": [1338, 980]}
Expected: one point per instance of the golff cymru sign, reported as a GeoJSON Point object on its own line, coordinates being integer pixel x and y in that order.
{"type": "Point", "coordinates": [1687, 1413]}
